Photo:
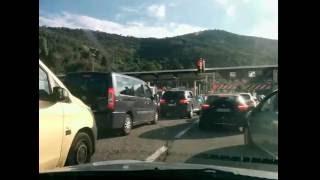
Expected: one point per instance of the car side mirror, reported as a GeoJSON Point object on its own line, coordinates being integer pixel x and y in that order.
{"type": "Point", "coordinates": [60, 94]}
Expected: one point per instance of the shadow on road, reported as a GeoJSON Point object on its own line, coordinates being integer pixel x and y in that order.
{"type": "Point", "coordinates": [111, 133]}
{"type": "Point", "coordinates": [177, 118]}
{"type": "Point", "coordinates": [169, 132]}
{"type": "Point", "coordinates": [237, 156]}
{"type": "Point", "coordinates": [104, 134]}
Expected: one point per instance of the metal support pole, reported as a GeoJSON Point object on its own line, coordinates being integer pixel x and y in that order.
{"type": "Point", "coordinates": [195, 87]}
{"type": "Point", "coordinates": [206, 90]}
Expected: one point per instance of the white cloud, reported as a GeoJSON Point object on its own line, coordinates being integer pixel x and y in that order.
{"type": "Point", "coordinates": [266, 28]}
{"type": "Point", "coordinates": [130, 9]}
{"type": "Point", "coordinates": [231, 11]}
{"type": "Point", "coordinates": [271, 6]}
{"type": "Point", "coordinates": [172, 4]}
{"type": "Point", "coordinates": [229, 8]}
{"type": "Point", "coordinates": [158, 11]}
{"type": "Point", "coordinates": [265, 15]}
{"type": "Point", "coordinates": [267, 25]}
{"type": "Point", "coordinates": [137, 29]}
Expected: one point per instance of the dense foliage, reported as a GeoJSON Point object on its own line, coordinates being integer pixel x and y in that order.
{"type": "Point", "coordinates": [67, 50]}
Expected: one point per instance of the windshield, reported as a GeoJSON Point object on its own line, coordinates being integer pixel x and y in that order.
{"type": "Point", "coordinates": [163, 81]}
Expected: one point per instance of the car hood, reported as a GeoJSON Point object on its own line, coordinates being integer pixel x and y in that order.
{"type": "Point", "coordinates": [134, 165]}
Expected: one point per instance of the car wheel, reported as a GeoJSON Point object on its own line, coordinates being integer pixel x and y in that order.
{"type": "Point", "coordinates": [127, 125]}
{"type": "Point", "coordinates": [81, 150]}
{"type": "Point", "coordinates": [155, 118]}
{"type": "Point", "coordinates": [190, 114]}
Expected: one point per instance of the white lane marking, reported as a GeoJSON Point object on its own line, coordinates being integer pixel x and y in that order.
{"type": "Point", "coordinates": [156, 154]}
{"type": "Point", "coordinates": [164, 148]}
{"type": "Point", "coordinates": [185, 130]}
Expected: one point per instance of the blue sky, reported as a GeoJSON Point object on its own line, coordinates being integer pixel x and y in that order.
{"type": "Point", "coordinates": [163, 18]}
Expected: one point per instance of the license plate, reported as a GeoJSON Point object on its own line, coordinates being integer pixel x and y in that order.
{"type": "Point", "coordinates": [223, 110]}
{"type": "Point", "coordinates": [171, 104]}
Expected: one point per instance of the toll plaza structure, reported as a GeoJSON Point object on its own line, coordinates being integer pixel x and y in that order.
{"type": "Point", "coordinates": [261, 79]}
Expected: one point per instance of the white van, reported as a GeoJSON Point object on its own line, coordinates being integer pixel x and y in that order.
{"type": "Point", "coordinates": [67, 129]}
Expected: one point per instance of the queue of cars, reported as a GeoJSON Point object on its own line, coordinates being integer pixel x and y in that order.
{"type": "Point", "coordinates": [68, 126]}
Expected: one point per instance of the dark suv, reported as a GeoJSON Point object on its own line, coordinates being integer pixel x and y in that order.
{"type": "Point", "coordinates": [178, 102]}
{"type": "Point", "coordinates": [118, 101]}
{"type": "Point", "coordinates": [223, 110]}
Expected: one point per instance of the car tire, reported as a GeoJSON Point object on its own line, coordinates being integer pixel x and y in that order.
{"type": "Point", "coordinates": [190, 113]}
{"type": "Point", "coordinates": [127, 125]}
{"type": "Point", "coordinates": [155, 118]}
{"type": "Point", "coordinates": [81, 150]}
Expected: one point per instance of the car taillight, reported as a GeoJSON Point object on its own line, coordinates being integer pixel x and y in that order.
{"type": "Point", "coordinates": [242, 107]}
{"type": "Point", "coordinates": [162, 101]}
{"type": "Point", "coordinates": [183, 101]}
{"type": "Point", "coordinates": [111, 99]}
{"type": "Point", "coordinates": [205, 106]}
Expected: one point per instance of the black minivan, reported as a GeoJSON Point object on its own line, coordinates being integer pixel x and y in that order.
{"type": "Point", "coordinates": [118, 101]}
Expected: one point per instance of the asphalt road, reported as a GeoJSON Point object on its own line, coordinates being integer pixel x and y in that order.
{"type": "Point", "coordinates": [180, 140]}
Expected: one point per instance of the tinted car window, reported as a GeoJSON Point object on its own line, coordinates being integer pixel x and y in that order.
{"type": "Point", "coordinates": [138, 88]}
{"type": "Point", "coordinates": [148, 92]}
{"type": "Point", "coordinates": [124, 86]}
{"type": "Point", "coordinates": [245, 96]}
{"type": "Point", "coordinates": [173, 95]}
{"type": "Point", "coordinates": [44, 90]}
{"type": "Point", "coordinates": [86, 83]}
{"type": "Point", "coordinates": [221, 99]}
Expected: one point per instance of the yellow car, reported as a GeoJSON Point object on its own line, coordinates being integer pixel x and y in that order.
{"type": "Point", "coordinates": [67, 129]}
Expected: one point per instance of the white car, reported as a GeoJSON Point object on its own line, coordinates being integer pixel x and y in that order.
{"type": "Point", "coordinates": [67, 129]}
{"type": "Point", "coordinates": [250, 100]}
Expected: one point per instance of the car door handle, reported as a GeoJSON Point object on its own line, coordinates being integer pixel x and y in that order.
{"type": "Point", "coordinates": [68, 131]}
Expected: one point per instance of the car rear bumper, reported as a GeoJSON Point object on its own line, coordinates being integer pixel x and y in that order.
{"type": "Point", "coordinates": [109, 120]}
{"type": "Point", "coordinates": [174, 110]}
{"type": "Point", "coordinates": [233, 120]}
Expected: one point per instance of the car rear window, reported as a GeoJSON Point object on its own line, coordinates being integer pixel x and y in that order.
{"type": "Point", "coordinates": [84, 84]}
{"type": "Point", "coordinates": [173, 95]}
{"type": "Point", "coordinates": [245, 96]}
{"type": "Point", "coordinates": [221, 99]}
